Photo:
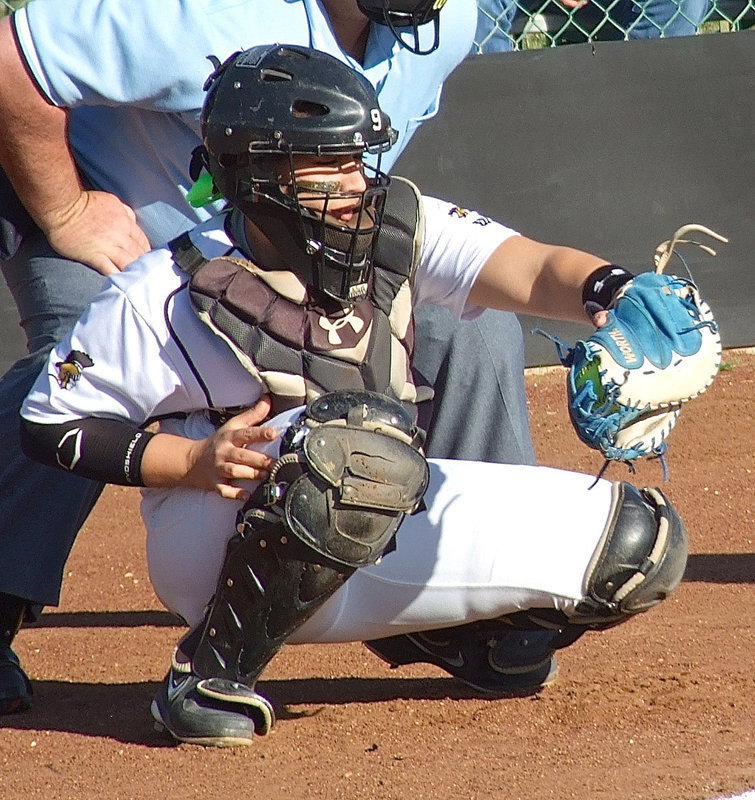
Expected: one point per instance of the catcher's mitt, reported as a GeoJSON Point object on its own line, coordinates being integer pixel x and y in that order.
{"type": "Point", "coordinates": [659, 348]}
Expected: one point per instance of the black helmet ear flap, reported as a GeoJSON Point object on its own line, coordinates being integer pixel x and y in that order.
{"type": "Point", "coordinates": [199, 160]}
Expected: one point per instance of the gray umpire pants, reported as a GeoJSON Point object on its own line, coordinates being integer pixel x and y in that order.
{"type": "Point", "coordinates": [477, 370]}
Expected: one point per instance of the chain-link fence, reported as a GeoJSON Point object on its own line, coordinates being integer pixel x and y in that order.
{"type": "Point", "coordinates": [528, 24]}
{"type": "Point", "coordinates": [6, 6]}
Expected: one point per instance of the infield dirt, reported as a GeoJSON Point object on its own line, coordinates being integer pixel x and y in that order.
{"type": "Point", "coordinates": [659, 709]}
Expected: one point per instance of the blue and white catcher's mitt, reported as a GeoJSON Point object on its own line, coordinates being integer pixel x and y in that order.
{"type": "Point", "coordinates": [660, 348]}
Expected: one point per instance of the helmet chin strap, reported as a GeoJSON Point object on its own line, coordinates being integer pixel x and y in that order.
{"type": "Point", "coordinates": [416, 48]}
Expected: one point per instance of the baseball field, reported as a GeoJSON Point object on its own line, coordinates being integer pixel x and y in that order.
{"type": "Point", "coordinates": [659, 709]}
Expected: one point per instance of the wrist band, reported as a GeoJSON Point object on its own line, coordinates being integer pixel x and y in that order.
{"type": "Point", "coordinates": [601, 286]}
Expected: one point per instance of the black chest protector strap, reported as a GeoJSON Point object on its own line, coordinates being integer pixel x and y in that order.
{"type": "Point", "coordinates": [186, 254]}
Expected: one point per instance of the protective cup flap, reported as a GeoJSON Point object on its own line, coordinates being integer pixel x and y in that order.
{"type": "Point", "coordinates": [367, 468]}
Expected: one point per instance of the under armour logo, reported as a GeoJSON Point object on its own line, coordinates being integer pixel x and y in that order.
{"type": "Point", "coordinates": [333, 326]}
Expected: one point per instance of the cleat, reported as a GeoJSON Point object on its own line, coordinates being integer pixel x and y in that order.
{"type": "Point", "coordinates": [15, 688]}
{"type": "Point", "coordinates": [504, 663]}
{"type": "Point", "coordinates": [209, 712]}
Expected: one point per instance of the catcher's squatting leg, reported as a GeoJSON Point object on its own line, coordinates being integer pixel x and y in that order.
{"type": "Point", "coordinates": [639, 560]}
{"type": "Point", "coordinates": [485, 548]}
{"type": "Point", "coordinates": [349, 470]}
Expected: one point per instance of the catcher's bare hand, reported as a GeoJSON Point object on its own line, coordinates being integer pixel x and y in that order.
{"type": "Point", "coordinates": [221, 461]}
{"type": "Point", "coordinates": [97, 230]}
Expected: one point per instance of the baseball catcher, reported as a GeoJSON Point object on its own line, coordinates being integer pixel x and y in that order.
{"type": "Point", "coordinates": [285, 492]}
{"type": "Point", "coordinates": [657, 348]}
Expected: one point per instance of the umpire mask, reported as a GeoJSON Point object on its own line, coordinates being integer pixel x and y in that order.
{"type": "Point", "coordinates": [404, 18]}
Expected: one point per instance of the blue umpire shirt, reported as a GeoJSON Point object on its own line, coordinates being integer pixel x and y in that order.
{"type": "Point", "coordinates": [132, 71]}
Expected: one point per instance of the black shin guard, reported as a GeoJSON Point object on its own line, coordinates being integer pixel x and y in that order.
{"type": "Point", "coordinates": [268, 588]}
{"type": "Point", "coordinates": [349, 472]}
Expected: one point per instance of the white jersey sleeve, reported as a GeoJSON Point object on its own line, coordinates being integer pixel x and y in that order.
{"type": "Point", "coordinates": [140, 352]}
{"type": "Point", "coordinates": [457, 243]}
{"type": "Point", "coordinates": [114, 363]}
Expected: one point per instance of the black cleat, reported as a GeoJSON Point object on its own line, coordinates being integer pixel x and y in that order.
{"type": "Point", "coordinates": [15, 688]}
{"type": "Point", "coordinates": [506, 662]}
{"type": "Point", "coordinates": [210, 711]}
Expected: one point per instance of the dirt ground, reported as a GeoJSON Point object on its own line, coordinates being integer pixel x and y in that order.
{"type": "Point", "coordinates": [659, 709]}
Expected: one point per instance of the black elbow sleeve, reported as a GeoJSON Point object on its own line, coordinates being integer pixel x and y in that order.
{"type": "Point", "coordinates": [104, 450]}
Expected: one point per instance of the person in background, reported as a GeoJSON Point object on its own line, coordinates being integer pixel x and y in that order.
{"type": "Point", "coordinates": [650, 19]}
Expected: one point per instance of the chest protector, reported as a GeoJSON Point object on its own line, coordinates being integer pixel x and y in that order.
{"type": "Point", "coordinates": [293, 347]}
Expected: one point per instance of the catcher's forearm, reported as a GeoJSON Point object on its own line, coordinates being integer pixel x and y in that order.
{"type": "Point", "coordinates": [112, 451]}
{"type": "Point", "coordinates": [562, 281]}
{"type": "Point", "coordinates": [523, 275]}
{"type": "Point", "coordinates": [168, 462]}
{"type": "Point", "coordinates": [104, 450]}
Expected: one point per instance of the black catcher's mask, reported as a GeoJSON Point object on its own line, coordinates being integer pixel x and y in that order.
{"type": "Point", "coordinates": [268, 105]}
{"type": "Point", "coordinates": [404, 17]}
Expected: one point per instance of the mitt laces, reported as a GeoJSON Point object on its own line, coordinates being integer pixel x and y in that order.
{"type": "Point", "coordinates": [665, 250]}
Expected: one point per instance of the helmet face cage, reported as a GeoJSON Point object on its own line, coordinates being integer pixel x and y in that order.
{"type": "Point", "coordinates": [342, 254]}
{"type": "Point", "coordinates": [266, 107]}
{"type": "Point", "coordinates": [331, 257]}
{"type": "Point", "coordinates": [404, 18]}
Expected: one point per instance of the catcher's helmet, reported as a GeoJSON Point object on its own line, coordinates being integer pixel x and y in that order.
{"type": "Point", "coordinates": [265, 106]}
{"type": "Point", "coordinates": [404, 17]}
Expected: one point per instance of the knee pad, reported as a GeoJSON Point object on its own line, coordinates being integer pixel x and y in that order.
{"type": "Point", "coordinates": [639, 562]}
{"type": "Point", "coordinates": [640, 559]}
{"type": "Point", "coordinates": [350, 469]}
